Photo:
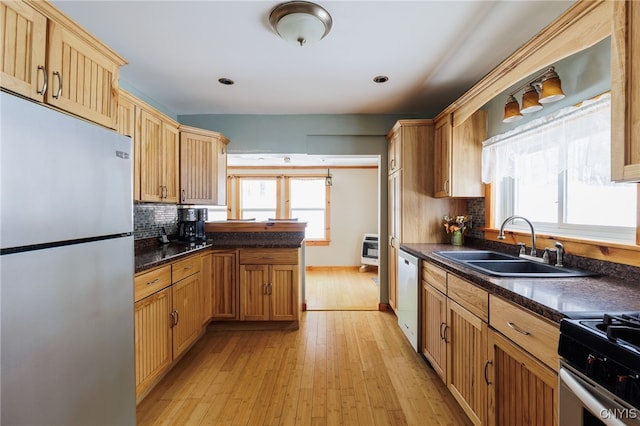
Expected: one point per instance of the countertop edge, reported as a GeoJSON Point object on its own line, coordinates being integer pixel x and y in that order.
{"type": "Point", "coordinates": [499, 286]}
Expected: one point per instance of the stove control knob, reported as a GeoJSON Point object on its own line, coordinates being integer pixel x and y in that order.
{"type": "Point", "coordinates": [598, 369]}
{"type": "Point", "coordinates": [628, 388]}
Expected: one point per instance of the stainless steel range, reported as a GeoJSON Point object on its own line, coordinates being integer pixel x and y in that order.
{"type": "Point", "coordinates": [600, 370]}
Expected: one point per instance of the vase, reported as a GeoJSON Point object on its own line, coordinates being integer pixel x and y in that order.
{"type": "Point", "coordinates": [457, 238]}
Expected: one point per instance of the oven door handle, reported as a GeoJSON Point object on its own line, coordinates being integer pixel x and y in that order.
{"type": "Point", "coordinates": [589, 401]}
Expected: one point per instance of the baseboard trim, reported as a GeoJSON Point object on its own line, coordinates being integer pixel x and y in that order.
{"type": "Point", "coordinates": [383, 306]}
{"type": "Point", "coordinates": [361, 268]}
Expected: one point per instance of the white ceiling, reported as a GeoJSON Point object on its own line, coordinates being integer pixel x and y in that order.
{"type": "Point", "coordinates": [432, 51]}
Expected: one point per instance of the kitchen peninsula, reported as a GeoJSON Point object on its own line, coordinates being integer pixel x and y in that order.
{"type": "Point", "coordinates": [247, 273]}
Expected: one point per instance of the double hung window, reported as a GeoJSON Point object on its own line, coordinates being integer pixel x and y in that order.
{"type": "Point", "coordinates": [555, 171]}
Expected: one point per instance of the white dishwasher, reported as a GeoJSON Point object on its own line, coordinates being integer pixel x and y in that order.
{"type": "Point", "coordinates": [408, 287]}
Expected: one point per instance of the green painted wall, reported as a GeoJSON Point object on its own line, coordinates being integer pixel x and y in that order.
{"type": "Point", "coordinates": [583, 75]}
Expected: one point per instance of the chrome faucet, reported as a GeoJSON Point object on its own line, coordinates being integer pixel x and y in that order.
{"type": "Point", "coordinates": [533, 232]}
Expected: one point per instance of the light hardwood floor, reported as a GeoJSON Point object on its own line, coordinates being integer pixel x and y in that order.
{"type": "Point", "coordinates": [339, 368]}
{"type": "Point", "coordinates": [341, 289]}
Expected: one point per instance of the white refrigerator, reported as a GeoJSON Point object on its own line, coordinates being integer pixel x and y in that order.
{"type": "Point", "coordinates": [66, 270]}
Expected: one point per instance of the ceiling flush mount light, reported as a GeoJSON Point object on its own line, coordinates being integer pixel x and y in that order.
{"type": "Point", "coordinates": [226, 81]}
{"type": "Point", "coordinates": [546, 84]}
{"type": "Point", "coordinates": [300, 21]}
{"type": "Point", "coordinates": [380, 79]}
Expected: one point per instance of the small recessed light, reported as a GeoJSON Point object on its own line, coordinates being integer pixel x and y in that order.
{"type": "Point", "coordinates": [380, 79]}
{"type": "Point", "coordinates": [226, 81]}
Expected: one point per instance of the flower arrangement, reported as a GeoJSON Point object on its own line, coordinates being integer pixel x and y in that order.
{"type": "Point", "coordinates": [456, 223]}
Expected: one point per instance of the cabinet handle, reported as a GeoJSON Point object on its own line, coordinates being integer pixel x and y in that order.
{"type": "Point", "coordinates": [516, 328]}
{"type": "Point", "coordinates": [45, 80]}
{"type": "Point", "coordinates": [486, 366]}
{"type": "Point", "coordinates": [177, 317]}
{"type": "Point", "coordinates": [153, 282]}
{"type": "Point", "coordinates": [59, 92]}
{"type": "Point", "coordinates": [442, 324]}
{"type": "Point", "coordinates": [173, 319]}
{"type": "Point", "coordinates": [445, 186]}
{"type": "Point", "coordinates": [393, 163]}
{"type": "Point", "coordinates": [269, 288]}
{"type": "Point", "coordinates": [444, 333]}
{"type": "Point", "coordinates": [186, 268]}
{"type": "Point", "coordinates": [184, 195]}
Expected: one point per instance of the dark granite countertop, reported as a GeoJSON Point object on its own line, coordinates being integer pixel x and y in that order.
{"type": "Point", "coordinates": [154, 254]}
{"type": "Point", "coordinates": [553, 298]}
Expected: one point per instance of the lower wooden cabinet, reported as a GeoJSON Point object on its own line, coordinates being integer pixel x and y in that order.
{"type": "Point", "coordinates": [268, 292]}
{"type": "Point", "coordinates": [153, 339]}
{"type": "Point", "coordinates": [466, 359]}
{"type": "Point", "coordinates": [224, 286]}
{"type": "Point", "coordinates": [502, 367]}
{"type": "Point", "coordinates": [434, 328]}
{"type": "Point", "coordinates": [522, 390]}
{"type": "Point", "coordinates": [187, 320]}
{"type": "Point", "coordinates": [168, 318]}
{"type": "Point", "coordinates": [269, 281]}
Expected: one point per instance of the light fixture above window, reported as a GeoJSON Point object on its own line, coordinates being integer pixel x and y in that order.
{"type": "Point", "coordinates": [300, 21]}
{"type": "Point", "coordinates": [547, 84]}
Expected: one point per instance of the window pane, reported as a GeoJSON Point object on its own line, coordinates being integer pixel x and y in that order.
{"type": "Point", "coordinates": [308, 204]}
{"type": "Point", "coordinates": [314, 220]}
{"type": "Point", "coordinates": [536, 196]}
{"type": "Point", "coordinates": [258, 198]}
{"type": "Point", "coordinates": [307, 193]}
{"type": "Point", "coordinates": [258, 193]}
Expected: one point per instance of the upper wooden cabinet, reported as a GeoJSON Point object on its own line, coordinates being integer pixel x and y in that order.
{"type": "Point", "coordinates": [625, 92]}
{"type": "Point", "coordinates": [47, 57]}
{"type": "Point", "coordinates": [157, 136]}
{"type": "Point", "coordinates": [203, 166]}
{"type": "Point", "coordinates": [457, 154]}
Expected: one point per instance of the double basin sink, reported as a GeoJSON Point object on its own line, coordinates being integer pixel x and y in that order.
{"type": "Point", "coordinates": [504, 265]}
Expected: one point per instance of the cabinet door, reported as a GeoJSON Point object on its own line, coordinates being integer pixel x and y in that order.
{"type": "Point", "coordinates": [466, 156]}
{"type": "Point", "coordinates": [151, 152]}
{"type": "Point", "coordinates": [207, 288]}
{"type": "Point", "coordinates": [220, 184]}
{"type": "Point", "coordinates": [625, 92]}
{"type": "Point", "coordinates": [394, 218]}
{"type": "Point", "coordinates": [126, 125]}
{"type": "Point", "coordinates": [170, 161]}
{"type": "Point", "coordinates": [254, 300]}
{"type": "Point", "coordinates": [466, 361]}
{"type": "Point", "coordinates": [187, 319]}
{"type": "Point", "coordinates": [22, 49]}
{"type": "Point", "coordinates": [442, 157]}
{"type": "Point", "coordinates": [224, 286]}
{"type": "Point", "coordinates": [522, 390]}
{"type": "Point", "coordinates": [82, 80]}
{"type": "Point", "coordinates": [283, 292]}
{"type": "Point", "coordinates": [434, 322]}
{"type": "Point", "coordinates": [153, 341]}
{"type": "Point", "coordinates": [197, 168]}
{"type": "Point", "coordinates": [395, 151]}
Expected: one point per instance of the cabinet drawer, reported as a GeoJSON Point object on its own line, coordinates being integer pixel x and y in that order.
{"type": "Point", "coordinates": [269, 256]}
{"type": "Point", "coordinates": [471, 297]}
{"type": "Point", "coordinates": [533, 333]}
{"type": "Point", "coordinates": [149, 282]}
{"type": "Point", "coordinates": [183, 268]}
{"type": "Point", "coordinates": [435, 276]}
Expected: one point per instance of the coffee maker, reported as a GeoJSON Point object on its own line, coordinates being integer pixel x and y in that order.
{"type": "Point", "coordinates": [191, 224]}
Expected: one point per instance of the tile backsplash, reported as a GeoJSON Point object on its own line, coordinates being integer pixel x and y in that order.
{"type": "Point", "coordinates": [149, 218]}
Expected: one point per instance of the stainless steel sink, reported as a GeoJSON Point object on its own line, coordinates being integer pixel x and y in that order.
{"type": "Point", "coordinates": [465, 256]}
{"type": "Point", "coordinates": [504, 265]}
